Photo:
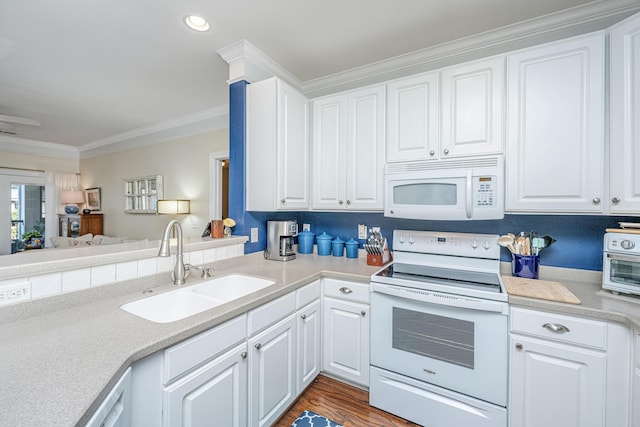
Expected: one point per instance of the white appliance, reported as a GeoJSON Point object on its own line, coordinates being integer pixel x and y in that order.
{"type": "Point", "coordinates": [115, 410]}
{"type": "Point", "coordinates": [439, 322]}
{"type": "Point", "coordinates": [451, 189]}
{"type": "Point", "coordinates": [621, 263]}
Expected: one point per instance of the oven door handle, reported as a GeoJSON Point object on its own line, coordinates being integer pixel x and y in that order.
{"type": "Point", "coordinates": [629, 258]}
{"type": "Point", "coordinates": [441, 299]}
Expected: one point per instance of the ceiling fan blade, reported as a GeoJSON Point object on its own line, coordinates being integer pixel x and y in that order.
{"type": "Point", "coordinates": [19, 120]}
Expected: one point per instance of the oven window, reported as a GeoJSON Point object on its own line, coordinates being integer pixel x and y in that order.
{"type": "Point", "coordinates": [425, 194]}
{"type": "Point", "coordinates": [443, 338]}
{"type": "Point", "coordinates": [626, 272]}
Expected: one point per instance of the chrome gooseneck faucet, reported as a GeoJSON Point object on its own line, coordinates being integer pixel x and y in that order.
{"type": "Point", "coordinates": [179, 270]}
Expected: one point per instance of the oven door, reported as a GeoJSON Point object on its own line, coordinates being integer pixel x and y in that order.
{"type": "Point", "coordinates": [455, 342]}
{"type": "Point", "coordinates": [621, 273]}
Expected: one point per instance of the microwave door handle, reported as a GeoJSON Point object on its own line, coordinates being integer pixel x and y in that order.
{"type": "Point", "coordinates": [469, 207]}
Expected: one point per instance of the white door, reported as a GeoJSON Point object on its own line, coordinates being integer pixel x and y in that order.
{"type": "Point", "coordinates": [308, 345]}
{"type": "Point", "coordinates": [215, 394]}
{"type": "Point", "coordinates": [555, 139]}
{"type": "Point", "coordinates": [472, 108]}
{"type": "Point", "coordinates": [624, 116]}
{"type": "Point", "coordinates": [346, 340]}
{"type": "Point", "coordinates": [412, 118]}
{"type": "Point", "coordinates": [272, 370]}
{"type": "Point", "coordinates": [365, 149]}
{"type": "Point", "coordinates": [555, 385]}
{"type": "Point", "coordinates": [293, 147]}
{"type": "Point", "coordinates": [329, 163]}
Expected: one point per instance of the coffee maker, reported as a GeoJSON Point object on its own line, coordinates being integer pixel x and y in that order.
{"type": "Point", "coordinates": [280, 236]}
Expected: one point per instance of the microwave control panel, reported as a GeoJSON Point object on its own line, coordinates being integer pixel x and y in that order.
{"type": "Point", "coordinates": [622, 242]}
{"type": "Point", "coordinates": [484, 191]}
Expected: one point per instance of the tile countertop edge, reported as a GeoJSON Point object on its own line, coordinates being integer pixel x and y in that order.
{"type": "Point", "coordinates": [99, 341]}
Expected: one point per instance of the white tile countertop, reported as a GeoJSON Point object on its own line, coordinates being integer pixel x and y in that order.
{"type": "Point", "coordinates": [61, 357]}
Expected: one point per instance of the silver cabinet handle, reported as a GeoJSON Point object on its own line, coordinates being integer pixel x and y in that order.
{"type": "Point", "coordinates": [446, 151]}
{"type": "Point", "coordinates": [282, 201]}
{"type": "Point", "coordinates": [432, 153]}
{"type": "Point", "coordinates": [258, 346]}
{"type": "Point", "coordinates": [243, 355]}
{"type": "Point", "coordinates": [596, 200]}
{"type": "Point", "coordinates": [340, 202]}
{"type": "Point", "coordinates": [363, 313]}
{"type": "Point", "coordinates": [304, 316]}
{"type": "Point", "coordinates": [556, 327]}
{"type": "Point", "coordinates": [345, 290]}
{"type": "Point", "coordinates": [348, 202]}
{"type": "Point", "coordinates": [519, 346]}
{"type": "Point", "coordinates": [615, 200]}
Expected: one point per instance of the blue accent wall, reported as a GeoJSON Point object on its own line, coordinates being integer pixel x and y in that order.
{"type": "Point", "coordinates": [579, 237]}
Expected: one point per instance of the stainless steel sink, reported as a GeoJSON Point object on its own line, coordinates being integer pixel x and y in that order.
{"type": "Point", "coordinates": [190, 300]}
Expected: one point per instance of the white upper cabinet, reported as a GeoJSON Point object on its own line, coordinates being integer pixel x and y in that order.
{"type": "Point", "coordinates": [348, 150]}
{"type": "Point", "coordinates": [625, 117]}
{"type": "Point", "coordinates": [555, 138]}
{"type": "Point", "coordinates": [472, 108]}
{"type": "Point", "coordinates": [412, 118]}
{"type": "Point", "coordinates": [277, 150]}
{"type": "Point", "coordinates": [466, 120]}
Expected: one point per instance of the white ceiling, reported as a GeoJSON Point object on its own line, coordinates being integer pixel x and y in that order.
{"type": "Point", "coordinates": [92, 70]}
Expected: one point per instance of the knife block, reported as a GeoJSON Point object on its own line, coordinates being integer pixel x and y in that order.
{"type": "Point", "coordinates": [379, 260]}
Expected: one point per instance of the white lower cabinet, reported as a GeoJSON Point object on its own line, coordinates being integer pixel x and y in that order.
{"type": "Point", "coordinates": [346, 331]}
{"type": "Point", "coordinates": [567, 371]}
{"type": "Point", "coordinates": [635, 393]}
{"type": "Point", "coordinates": [215, 394]}
{"type": "Point", "coordinates": [309, 328]}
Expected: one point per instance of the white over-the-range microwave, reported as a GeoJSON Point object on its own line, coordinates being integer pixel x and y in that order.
{"type": "Point", "coordinates": [449, 189]}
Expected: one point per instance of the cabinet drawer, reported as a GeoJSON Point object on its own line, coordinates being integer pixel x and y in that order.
{"type": "Point", "coordinates": [346, 290]}
{"type": "Point", "coordinates": [307, 294]}
{"type": "Point", "coordinates": [183, 357]}
{"type": "Point", "coordinates": [591, 333]}
{"type": "Point", "coordinates": [271, 312]}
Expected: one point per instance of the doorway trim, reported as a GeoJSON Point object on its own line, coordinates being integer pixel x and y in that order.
{"type": "Point", "coordinates": [215, 180]}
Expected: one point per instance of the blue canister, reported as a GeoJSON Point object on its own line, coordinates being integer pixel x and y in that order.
{"type": "Point", "coordinates": [324, 244]}
{"type": "Point", "coordinates": [352, 248]}
{"type": "Point", "coordinates": [305, 242]}
{"type": "Point", "coordinates": [526, 266]}
{"type": "Point", "coordinates": [337, 247]}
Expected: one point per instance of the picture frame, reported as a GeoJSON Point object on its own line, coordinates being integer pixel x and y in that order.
{"type": "Point", "coordinates": [92, 199]}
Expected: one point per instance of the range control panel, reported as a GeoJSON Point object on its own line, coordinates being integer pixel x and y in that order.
{"type": "Point", "coordinates": [447, 243]}
{"type": "Point", "coordinates": [622, 242]}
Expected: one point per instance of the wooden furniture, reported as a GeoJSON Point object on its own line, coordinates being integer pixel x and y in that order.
{"type": "Point", "coordinates": [79, 224]}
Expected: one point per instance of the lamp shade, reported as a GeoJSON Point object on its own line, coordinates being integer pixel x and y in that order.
{"type": "Point", "coordinates": [72, 196]}
{"type": "Point", "coordinates": [173, 207]}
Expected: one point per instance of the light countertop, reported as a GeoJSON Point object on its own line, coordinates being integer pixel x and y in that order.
{"type": "Point", "coordinates": [63, 354]}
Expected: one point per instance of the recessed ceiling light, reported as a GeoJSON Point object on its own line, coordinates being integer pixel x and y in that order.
{"type": "Point", "coordinates": [196, 22]}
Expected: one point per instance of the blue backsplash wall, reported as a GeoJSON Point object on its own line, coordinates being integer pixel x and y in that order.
{"type": "Point", "coordinates": [579, 237]}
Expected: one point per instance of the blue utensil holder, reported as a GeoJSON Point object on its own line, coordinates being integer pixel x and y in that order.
{"type": "Point", "coordinates": [526, 266]}
{"type": "Point", "coordinates": [324, 244]}
{"type": "Point", "coordinates": [352, 248]}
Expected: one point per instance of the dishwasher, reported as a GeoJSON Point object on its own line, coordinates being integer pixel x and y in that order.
{"type": "Point", "coordinates": [115, 410]}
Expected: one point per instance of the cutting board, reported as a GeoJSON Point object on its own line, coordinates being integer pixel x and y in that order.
{"type": "Point", "coordinates": [623, 230]}
{"type": "Point", "coordinates": [540, 289]}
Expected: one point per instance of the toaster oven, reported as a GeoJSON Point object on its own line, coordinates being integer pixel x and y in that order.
{"type": "Point", "coordinates": [621, 263]}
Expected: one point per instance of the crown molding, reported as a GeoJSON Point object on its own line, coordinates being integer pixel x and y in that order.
{"type": "Point", "coordinates": [193, 124]}
{"type": "Point", "coordinates": [570, 22]}
{"type": "Point", "coordinates": [40, 148]}
{"type": "Point", "coordinates": [247, 62]}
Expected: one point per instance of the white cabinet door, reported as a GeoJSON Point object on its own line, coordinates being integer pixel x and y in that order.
{"type": "Point", "coordinates": [625, 117]}
{"type": "Point", "coordinates": [346, 340]}
{"type": "Point", "coordinates": [412, 118]}
{"type": "Point", "coordinates": [348, 150]}
{"type": "Point", "coordinates": [472, 108]}
{"type": "Point", "coordinates": [555, 140]}
{"type": "Point", "coordinates": [555, 385]}
{"type": "Point", "coordinates": [635, 392]}
{"type": "Point", "coordinates": [272, 371]}
{"type": "Point", "coordinates": [214, 394]}
{"type": "Point", "coordinates": [308, 345]}
{"type": "Point", "coordinates": [277, 149]}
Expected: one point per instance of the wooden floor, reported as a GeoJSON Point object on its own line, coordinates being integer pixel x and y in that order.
{"type": "Point", "coordinates": [344, 404]}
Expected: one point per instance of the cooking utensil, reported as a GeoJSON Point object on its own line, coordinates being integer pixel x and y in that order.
{"type": "Point", "coordinates": [548, 240]}
{"type": "Point", "coordinates": [507, 241]}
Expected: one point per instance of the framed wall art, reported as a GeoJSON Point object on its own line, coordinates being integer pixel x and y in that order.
{"type": "Point", "coordinates": [92, 199]}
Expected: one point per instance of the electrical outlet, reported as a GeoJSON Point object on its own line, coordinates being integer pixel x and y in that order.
{"type": "Point", "coordinates": [15, 292]}
{"type": "Point", "coordinates": [254, 234]}
{"type": "Point", "coordinates": [306, 227]}
{"type": "Point", "coordinates": [195, 224]}
{"type": "Point", "coordinates": [362, 231]}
